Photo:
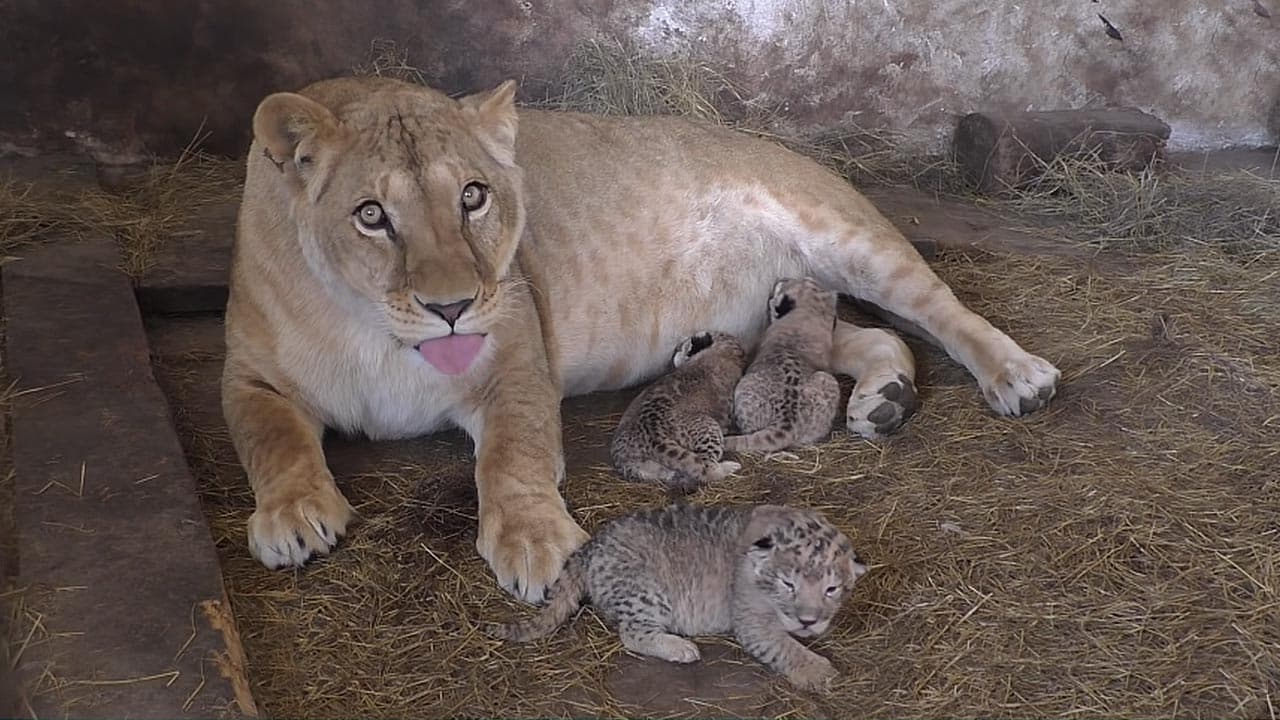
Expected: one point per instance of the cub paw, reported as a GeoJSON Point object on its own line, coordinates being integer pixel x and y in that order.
{"type": "Point", "coordinates": [875, 413]}
{"type": "Point", "coordinates": [1022, 386]}
{"type": "Point", "coordinates": [815, 674]}
{"type": "Point", "coordinates": [721, 470]}
{"type": "Point", "coordinates": [526, 546]}
{"type": "Point", "coordinates": [288, 529]}
{"type": "Point", "coordinates": [677, 650]}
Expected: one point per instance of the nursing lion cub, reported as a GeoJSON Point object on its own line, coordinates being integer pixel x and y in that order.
{"type": "Point", "coordinates": [406, 262]}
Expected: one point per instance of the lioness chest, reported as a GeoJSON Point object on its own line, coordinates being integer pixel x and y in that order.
{"type": "Point", "coordinates": [376, 387]}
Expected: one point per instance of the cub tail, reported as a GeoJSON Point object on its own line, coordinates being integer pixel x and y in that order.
{"type": "Point", "coordinates": [566, 597]}
{"type": "Point", "coordinates": [768, 439]}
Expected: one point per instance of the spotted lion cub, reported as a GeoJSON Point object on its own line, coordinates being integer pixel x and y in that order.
{"type": "Point", "coordinates": [763, 573]}
{"type": "Point", "coordinates": [787, 398]}
{"type": "Point", "coordinates": [673, 432]}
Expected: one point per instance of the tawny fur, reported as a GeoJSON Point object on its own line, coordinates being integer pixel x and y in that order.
{"type": "Point", "coordinates": [787, 398]}
{"type": "Point", "coordinates": [598, 243]}
{"type": "Point", "coordinates": [765, 574]}
{"type": "Point", "coordinates": [673, 431]}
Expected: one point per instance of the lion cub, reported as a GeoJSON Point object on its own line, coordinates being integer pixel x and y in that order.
{"type": "Point", "coordinates": [763, 573]}
{"type": "Point", "coordinates": [787, 398]}
{"type": "Point", "coordinates": [673, 432]}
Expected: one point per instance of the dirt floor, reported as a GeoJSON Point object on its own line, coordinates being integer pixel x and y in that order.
{"type": "Point", "coordinates": [1114, 555]}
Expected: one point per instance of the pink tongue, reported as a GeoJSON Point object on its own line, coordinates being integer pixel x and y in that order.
{"type": "Point", "coordinates": [452, 354]}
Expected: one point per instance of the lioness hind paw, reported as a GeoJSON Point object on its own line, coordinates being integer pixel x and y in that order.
{"type": "Point", "coordinates": [1022, 386]}
{"type": "Point", "coordinates": [883, 411]}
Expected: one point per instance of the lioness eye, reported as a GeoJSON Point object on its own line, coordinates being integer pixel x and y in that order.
{"type": "Point", "coordinates": [790, 586]}
{"type": "Point", "coordinates": [371, 217]}
{"type": "Point", "coordinates": [832, 590]}
{"type": "Point", "coordinates": [474, 196]}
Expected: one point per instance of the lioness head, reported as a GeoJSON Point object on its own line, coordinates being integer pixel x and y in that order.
{"type": "Point", "coordinates": [407, 203]}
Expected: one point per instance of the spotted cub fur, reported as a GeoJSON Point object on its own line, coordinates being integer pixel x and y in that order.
{"type": "Point", "coordinates": [787, 398]}
{"type": "Point", "coordinates": [764, 573]}
{"type": "Point", "coordinates": [673, 432]}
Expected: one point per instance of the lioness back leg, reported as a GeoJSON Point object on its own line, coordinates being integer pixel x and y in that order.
{"type": "Point", "coordinates": [849, 246]}
{"type": "Point", "coordinates": [884, 395]}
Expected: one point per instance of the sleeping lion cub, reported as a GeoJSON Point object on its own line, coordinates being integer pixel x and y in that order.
{"type": "Point", "coordinates": [405, 262]}
{"type": "Point", "coordinates": [766, 573]}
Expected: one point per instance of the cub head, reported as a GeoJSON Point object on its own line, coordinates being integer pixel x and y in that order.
{"type": "Point", "coordinates": [801, 565]}
{"type": "Point", "coordinates": [406, 205]}
{"type": "Point", "coordinates": [709, 344]}
{"type": "Point", "coordinates": [796, 297]}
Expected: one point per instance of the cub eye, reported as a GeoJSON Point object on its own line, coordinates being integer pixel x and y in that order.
{"type": "Point", "coordinates": [832, 590]}
{"type": "Point", "coordinates": [790, 586]}
{"type": "Point", "coordinates": [475, 196]}
{"type": "Point", "coordinates": [371, 218]}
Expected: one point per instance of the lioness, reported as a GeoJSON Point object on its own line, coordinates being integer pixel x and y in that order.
{"type": "Point", "coordinates": [405, 261]}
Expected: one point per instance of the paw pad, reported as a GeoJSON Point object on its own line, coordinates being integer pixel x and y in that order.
{"type": "Point", "coordinates": [886, 409]}
{"type": "Point", "coordinates": [1029, 405]}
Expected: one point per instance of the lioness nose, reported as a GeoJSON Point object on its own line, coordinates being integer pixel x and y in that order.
{"type": "Point", "coordinates": [450, 312]}
{"type": "Point", "coordinates": [806, 622]}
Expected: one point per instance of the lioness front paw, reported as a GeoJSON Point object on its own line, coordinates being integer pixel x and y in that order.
{"type": "Point", "coordinates": [288, 529]}
{"type": "Point", "coordinates": [1022, 386]}
{"type": "Point", "coordinates": [526, 546]}
{"type": "Point", "coordinates": [815, 674]}
{"type": "Point", "coordinates": [881, 407]}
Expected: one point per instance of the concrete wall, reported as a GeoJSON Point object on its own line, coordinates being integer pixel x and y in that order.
{"type": "Point", "coordinates": [124, 78]}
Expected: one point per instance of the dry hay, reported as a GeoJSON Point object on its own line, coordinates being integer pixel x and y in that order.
{"type": "Point", "coordinates": [157, 204]}
{"type": "Point", "coordinates": [24, 219]}
{"type": "Point", "coordinates": [387, 59]}
{"type": "Point", "coordinates": [611, 78]}
{"type": "Point", "coordinates": [1160, 207]}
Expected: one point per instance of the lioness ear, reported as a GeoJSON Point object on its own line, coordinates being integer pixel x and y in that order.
{"type": "Point", "coordinates": [494, 113]}
{"type": "Point", "coordinates": [284, 121]}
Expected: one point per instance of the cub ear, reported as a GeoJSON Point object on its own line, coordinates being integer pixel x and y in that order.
{"type": "Point", "coordinates": [700, 342]}
{"type": "Point", "coordinates": [284, 121]}
{"type": "Point", "coordinates": [857, 568]}
{"type": "Point", "coordinates": [784, 305]}
{"type": "Point", "coordinates": [494, 114]}
{"type": "Point", "coordinates": [759, 531]}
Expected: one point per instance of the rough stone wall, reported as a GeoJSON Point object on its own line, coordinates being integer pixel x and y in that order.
{"type": "Point", "coordinates": [128, 78]}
